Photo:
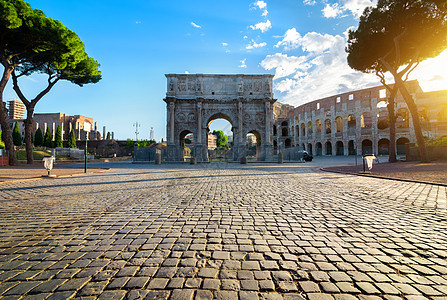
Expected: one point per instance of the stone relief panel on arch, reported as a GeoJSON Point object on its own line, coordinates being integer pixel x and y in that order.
{"type": "Point", "coordinates": [220, 87]}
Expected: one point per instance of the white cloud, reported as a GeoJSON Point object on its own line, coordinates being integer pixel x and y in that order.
{"type": "Point", "coordinates": [309, 2]}
{"type": "Point", "coordinates": [284, 65]}
{"type": "Point", "coordinates": [186, 72]}
{"type": "Point", "coordinates": [243, 64]}
{"type": "Point", "coordinates": [263, 26]}
{"type": "Point", "coordinates": [316, 42]}
{"type": "Point", "coordinates": [255, 45]}
{"type": "Point", "coordinates": [245, 37]}
{"type": "Point", "coordinates": [224, 44]}
{"type": "Point", "coordinates": [322, 71]}
{"type": "Point", "coordinates": [355, 7]}
{"type": "Point", "coordinates": [311, 42]}
{"type": "Point", "coordinates": [291, 40]}
{"type": "Point", "coordinates": [332, 10]}
{"type": "Point", "coordinates": [262, 6]}
{"type": "Point", "coordinates": [195, 25]}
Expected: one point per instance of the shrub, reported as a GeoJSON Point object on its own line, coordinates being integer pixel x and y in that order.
{"type": "Point", "coordinates": [48, 139]}
{"type": "Point", "coordinates": [58, 138]}
{"type": "Point", "coordinates": [71, 140]}
{"type": "Point", "coordinates": [38, 137]}
{"type": "Point", "coordinates": [16, 135]}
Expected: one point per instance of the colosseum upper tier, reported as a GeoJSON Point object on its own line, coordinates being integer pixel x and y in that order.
{"type": "Point", "coordinates": [357, 122]}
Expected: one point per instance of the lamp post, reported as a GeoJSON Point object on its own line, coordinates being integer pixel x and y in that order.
{"type": "Point", "coordinates": [136, 125]}
{"type": "Point", "coordinates": [85, 153]}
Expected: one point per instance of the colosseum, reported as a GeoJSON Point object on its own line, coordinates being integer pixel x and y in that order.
{"type": "Point", "coordinates": [356, 122]}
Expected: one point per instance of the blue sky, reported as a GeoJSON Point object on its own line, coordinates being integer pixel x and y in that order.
{"type": "Point", "coordinates": [138, 41]}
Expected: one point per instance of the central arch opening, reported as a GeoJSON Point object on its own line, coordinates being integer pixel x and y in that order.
{"type": "Point", "coordinates": [253, 149]}
{"type": "Point", "coordinates": [186, 142]}
{"type": "Point", "coordinates": [219, 141]}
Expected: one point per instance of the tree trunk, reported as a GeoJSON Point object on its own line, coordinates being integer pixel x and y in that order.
{"type": "Point", "coordinates": [30, 105]}
{"type": "Point", "coordinates": [415, 116]}
{"type": "Point", "coordinates": [392, 117]}
{"type": "Point", "coordinates": [4, 120]}
{"type": "Point", "coordinates": [28, 135]}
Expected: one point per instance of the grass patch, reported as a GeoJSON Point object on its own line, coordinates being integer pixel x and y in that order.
{"type": "Point", "coordinates": [38, 155]}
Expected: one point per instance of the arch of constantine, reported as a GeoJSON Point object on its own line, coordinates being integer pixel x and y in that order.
{"type": "Point", "coordinates": [195, 100]}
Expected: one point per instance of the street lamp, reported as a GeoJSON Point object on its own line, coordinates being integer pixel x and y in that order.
{"type": "Point", "coordinates": [85, 153]}
{"type": "Point", "coordinates": [136, 125]}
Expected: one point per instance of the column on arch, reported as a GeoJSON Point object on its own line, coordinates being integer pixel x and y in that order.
{"type": "Point", "coordinates": [170, 138]}
{"type": "Point", "coordinates": [241, 137]}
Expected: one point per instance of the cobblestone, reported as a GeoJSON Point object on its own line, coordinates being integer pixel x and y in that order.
{"type": "Point", "coordinates": [222, 231]}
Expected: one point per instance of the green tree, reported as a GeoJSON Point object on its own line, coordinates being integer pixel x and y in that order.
{"type": "Point", "coordinates": [108, 136]}
{"type": "Point", "coordinates": [48, 139]}
{"type": "Point", "coordinates": [38, 137]}
{"type": "Point", "coordinates": [222, 139]}
{"type": "Point", "coordinates": [129, 144]}
{"type": "Point", "coordinates": [2, 144]}
{"type": "Point", "coordinates": [395, 36]}
{"type": "Point", "coordinates": [34, 43]}
{"type": "Point", "coordinates": [25, 35]}
{"type": "Point", "coordinates": [71, 139]}
{"type": "Point", "coordinates": [58, 138]}
{"type": "Point", "coordinates": [16, 135]}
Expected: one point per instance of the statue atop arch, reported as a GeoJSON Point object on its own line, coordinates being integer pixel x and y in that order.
{"type": "Point", "coordinates": [202, 98]}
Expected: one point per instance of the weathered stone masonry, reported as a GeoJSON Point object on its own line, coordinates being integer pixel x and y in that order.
{"type": "Point", "coordinates": [357, 121]}
{"type": "Point", "coordinates": [195, 100]}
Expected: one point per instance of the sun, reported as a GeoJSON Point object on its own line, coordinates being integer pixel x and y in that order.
{"type": "Point", "coordinates": [432, 73]}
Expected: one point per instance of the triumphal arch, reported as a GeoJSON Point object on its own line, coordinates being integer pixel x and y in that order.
{"type": "Point", "coordinates": [195, 100]}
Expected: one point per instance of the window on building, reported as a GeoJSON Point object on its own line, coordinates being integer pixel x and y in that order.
{"type": "Point", "coordinates": [318, 105]}
{"type": "Point", "coordinates": [351, 97]}
{"type": "Point", "coordinates": [382, 93]}
{"type": "Point", "coordinates": [338, 99]}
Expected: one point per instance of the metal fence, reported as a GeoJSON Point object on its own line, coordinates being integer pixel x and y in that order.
{"type": "Point", "coordinates": [147, 154]}
{"type": "Point", "coordinates": [220, 154]}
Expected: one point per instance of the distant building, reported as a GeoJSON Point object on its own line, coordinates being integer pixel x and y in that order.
{"type": "Point", "coordinates": [251, 140]}
{"type": "Point", "coordinates": [84, 127]}
{"type": "Point", "coordinates": [16, 113]}
{"type": "Point", "coordinates": [212, 141]}
{"type": "Point", "coordinates": [16, 110]}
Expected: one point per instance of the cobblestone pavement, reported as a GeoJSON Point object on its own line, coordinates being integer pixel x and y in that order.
{"type": "Point", "coordinates": [222, 231]}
